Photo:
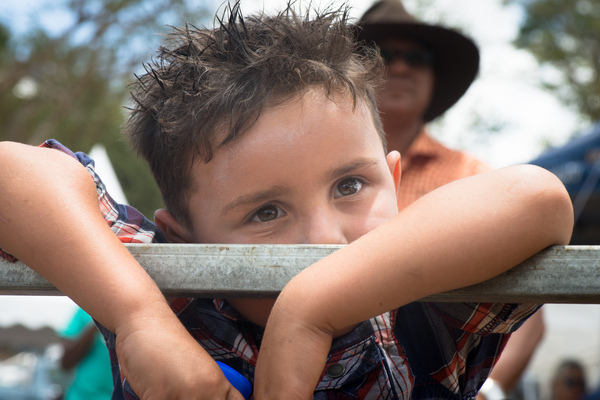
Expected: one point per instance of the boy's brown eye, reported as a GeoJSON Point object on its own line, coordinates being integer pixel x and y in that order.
{"type": "Point", "coordinates": [348, 187]}
{"type": "Point", "coordinates": [267, 213]}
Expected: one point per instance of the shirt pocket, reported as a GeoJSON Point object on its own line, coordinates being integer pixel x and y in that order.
{"type": "Point", "coordinates": [348, 368]}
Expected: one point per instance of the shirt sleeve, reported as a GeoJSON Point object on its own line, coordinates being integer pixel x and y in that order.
{"type": "Point", "coordinates": [483, 318]}
{"type": "Point", "coordinates": [457, 344]}
{"type": "Point", "coordinates": [476, 167]}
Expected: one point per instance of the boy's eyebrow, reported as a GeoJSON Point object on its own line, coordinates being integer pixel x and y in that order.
{"type": "Point", "coordinates": [348, 168]}
{"type": "Point", "coordinates": [255, 197]}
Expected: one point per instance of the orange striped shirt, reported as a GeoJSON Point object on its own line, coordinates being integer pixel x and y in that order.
{"type": "Point", "coordinates": [428, 165]}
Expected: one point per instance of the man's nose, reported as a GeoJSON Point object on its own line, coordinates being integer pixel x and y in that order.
{"type": "Point", "coordinates": [398, 66]}
{"type": "Point", "coordinates": [324, 227]}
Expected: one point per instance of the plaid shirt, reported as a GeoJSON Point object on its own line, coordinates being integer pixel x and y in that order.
{"type": "Point", "coordinates": [428, 165]}
{"type": "Point", "coordinates": [419, 351]}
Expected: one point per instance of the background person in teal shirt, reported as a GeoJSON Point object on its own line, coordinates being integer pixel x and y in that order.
{"type": "Point", "coordinates": [86, 355]}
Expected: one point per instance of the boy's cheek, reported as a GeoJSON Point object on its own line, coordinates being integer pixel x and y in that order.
{"type": "Point", "coordinates": [373, 223]}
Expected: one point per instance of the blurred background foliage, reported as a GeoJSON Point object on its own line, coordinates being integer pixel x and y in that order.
{"type": "Point", "coordinates": [71, 84]}
{"type": "Point", "coordinates": [564, 35]}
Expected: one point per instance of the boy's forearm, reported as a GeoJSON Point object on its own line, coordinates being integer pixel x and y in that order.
{"type": "Point", "coordinates": [456, 236]}
{"type": "Point", "coordinates": [50, 220]}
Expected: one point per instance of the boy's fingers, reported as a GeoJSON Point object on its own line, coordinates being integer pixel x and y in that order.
{"type": "Point", "coordinates": [156, 369]}
{"type": "Point", "coordinates": [291, 360]}
{"type": "Point", "coordinates": [235, 395]}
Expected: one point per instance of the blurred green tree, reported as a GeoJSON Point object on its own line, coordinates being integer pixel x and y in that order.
{"type": "Point", "coordinates": [70, 82]}
{"type": "Point", "coordinates": [563, 35]}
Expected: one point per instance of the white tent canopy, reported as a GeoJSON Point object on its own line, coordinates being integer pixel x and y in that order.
{"type": "Point", "coordinates": [36, 312]}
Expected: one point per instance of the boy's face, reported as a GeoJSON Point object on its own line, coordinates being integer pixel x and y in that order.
{"type": "Point", "coordinates": [309, 171]}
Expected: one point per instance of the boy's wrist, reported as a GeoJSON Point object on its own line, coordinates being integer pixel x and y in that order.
{"type": "Point", "coordinates": [299, 303]}
{"type": "Point", "coordinates": [144, 315]}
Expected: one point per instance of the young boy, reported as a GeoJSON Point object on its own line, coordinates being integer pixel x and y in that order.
{"type": "Point", "coordinates": [265, 130]}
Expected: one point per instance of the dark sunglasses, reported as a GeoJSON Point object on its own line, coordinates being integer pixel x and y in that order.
{"type": "Point", "coordinates": [414, 58]}
{"type": "Point", "coordinates": [573, 383]}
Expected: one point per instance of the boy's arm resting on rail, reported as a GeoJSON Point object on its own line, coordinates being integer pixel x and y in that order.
{"type": "Point", "coordinates": [50, 220]}
{"type": "Point", "coordinates": [461, 234]}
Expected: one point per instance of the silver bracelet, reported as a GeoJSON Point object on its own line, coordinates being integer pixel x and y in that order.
{"type": "Point", "coordinates": [492, 390]}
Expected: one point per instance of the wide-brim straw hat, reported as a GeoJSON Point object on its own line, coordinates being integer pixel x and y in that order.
{"type": "Point", "coordinates": [456, 57]}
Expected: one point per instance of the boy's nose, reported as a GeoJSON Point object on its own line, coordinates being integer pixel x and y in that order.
{"type": "Point", "coordinates": [323, 228]}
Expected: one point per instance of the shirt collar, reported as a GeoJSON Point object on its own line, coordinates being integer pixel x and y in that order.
{"type": "Point", "coordinates": [424, 144]}
{"type": "Point", "coordinates": [227, 310]}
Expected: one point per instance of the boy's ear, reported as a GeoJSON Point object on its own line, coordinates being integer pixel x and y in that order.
{"type": "Point", "coordinates": [393, 161]}
{"type": "Point", "coordinates": [172, 229]}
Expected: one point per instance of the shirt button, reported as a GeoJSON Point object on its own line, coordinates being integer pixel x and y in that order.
{"type": "Point", "coordinates": [335, 370]}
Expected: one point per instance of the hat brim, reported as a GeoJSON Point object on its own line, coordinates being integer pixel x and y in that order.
{"type": "Point", "coordinates": [456, 60]}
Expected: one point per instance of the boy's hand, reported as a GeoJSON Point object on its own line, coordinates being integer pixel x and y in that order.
{"type": "Point", "coordinates": [161, 360]}
{"type": "Point", "coordinates": [292, 357]}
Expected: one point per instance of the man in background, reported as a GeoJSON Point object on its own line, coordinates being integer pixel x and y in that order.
{"type": "Point", "coordinates": [429, 68]}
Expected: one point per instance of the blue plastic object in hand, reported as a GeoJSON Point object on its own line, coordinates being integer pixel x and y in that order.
{"type": "Point", "coordinates": [236, 379]}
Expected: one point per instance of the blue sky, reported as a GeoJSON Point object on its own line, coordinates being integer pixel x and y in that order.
{"type": "Point", "coordinates": [23, 14]}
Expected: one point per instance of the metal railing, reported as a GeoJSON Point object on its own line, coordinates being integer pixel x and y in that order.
{"type": "Point", "coordinates": [559, 274]}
